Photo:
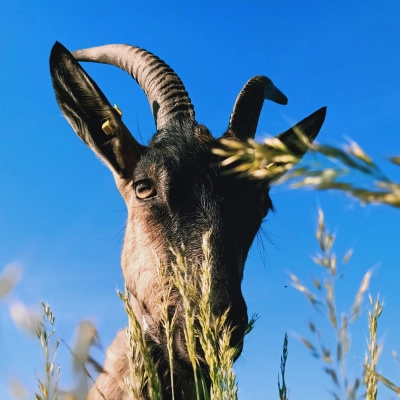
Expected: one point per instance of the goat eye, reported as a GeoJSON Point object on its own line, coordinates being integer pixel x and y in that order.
{"type": "Point", "coordinates": [145, 189]}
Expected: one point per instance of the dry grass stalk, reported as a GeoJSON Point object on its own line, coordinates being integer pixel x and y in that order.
{"type": "Point", "coordinates": [45, 331]}
{"type": "Point", "coordinates": [374, 350]}
{"type": "Point", "coordinates": [371, 376]}
{"type": "Point", "coordinates": [389, 384]}
{"type": "Point", "coordinates": [333, 359]}
{"type": "Point", "coordinates": [193, 282]}
{"type": "Point", "coordinates": [336, 365]}
{"type": "Point", "coordinates": [143, 371]}
{"type": "Point", "coordinates": [272, 159]}
{"type": "Point", "coordinates": [187, 288]}
{"type": "Point", "coordinates": [214, 335]}
{"type": "Point", "coordinates": [168, 323]}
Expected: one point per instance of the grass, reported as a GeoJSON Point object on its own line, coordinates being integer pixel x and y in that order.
{"type": "Point", "coordinates": [249, 161]}
{"type": "Point", "coordinates": [213, 335]}
{"type": "Point", "coordinates": [334, 360]}
{"type": "Point", "coordinates": [322, 296]}
{"type": "Point", "coordinates": [48, 387]}
{"type": "Point", "coordinates": [143, 369]}
{"type": "Point", "coordinates": [282, 387]}
{"type": "Point", "coordinates": [272, 160]}
{"type": "Point", "coordinates": [374, 349]}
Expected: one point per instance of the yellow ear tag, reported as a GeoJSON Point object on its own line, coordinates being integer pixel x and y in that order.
{"type": "Point", "coordinates": [264, 164]}
{"type": "Point", "coordinates": [117, 110]}
{"type": "Point", "coordinates": [107, 128]}
{"type": "Point", "coordinates": [106, 125]}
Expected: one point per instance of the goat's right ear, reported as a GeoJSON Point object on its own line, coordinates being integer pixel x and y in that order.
{"type": "Point", "coordinates": [91, 115]}
{"type": "Point", "coordinates": [308, 127]}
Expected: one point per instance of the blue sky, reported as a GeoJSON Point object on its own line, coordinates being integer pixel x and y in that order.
{"type": "Point", "coordinates": [62, 219]}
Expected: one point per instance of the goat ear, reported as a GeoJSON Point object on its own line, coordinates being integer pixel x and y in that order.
{"type": "Point", "coordinates": [91, 115]}
{"type": "Point", "coordinates": [309, 127]}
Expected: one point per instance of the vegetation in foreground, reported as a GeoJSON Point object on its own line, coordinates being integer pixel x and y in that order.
{"type": "Point", "coordinates": [248, 160]}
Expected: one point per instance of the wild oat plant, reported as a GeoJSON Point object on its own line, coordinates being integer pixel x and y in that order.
{"type": "Point", "coordinates": [272, 160]}
{"type": "Point", "coordinates": [193, 282]}
{"type": "Point", "coordinates": [143, 369]}
{"type": "Point", "coordinates": [48, 387]}
{"type": "Point", "coordinates": [250, 160]}
{"type": "Point", "coordinates": [371, 376]}
{"type": "Point", "coordinates": [323, 296]}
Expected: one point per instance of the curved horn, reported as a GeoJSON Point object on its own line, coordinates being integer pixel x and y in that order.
{"type": "Point", "coordinates": [247, 108]}
{"type": "Point", "coordinates": [164, 90]}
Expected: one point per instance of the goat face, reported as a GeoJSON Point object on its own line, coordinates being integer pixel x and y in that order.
{"type": "Point", "coordinates": [173, 188]}
{"type": "Point", "coordinates": [184, 195]}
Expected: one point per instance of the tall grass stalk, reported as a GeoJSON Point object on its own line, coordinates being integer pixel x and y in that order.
{"type": "Point", "coordinates": [167, 322]}
{"type": "Point", "coordinates": [272, 160]}
{"type": "Point", "coordinates": [282, 388]}
{"type": "Point", "coordinates": [48, 387]}
{"type": "Point", "coordinates": [371, 376]}
{"type": "Point", "coordinates": [334, 360]}
{"type": "Point", "coordinates": [374, 350]}
{"type": "Point", "coordinates": [193, 283]}
{"type": "Point", "coordinates": [186, 284]}
{"type": "Point", "coordinates": [215, 336]}
{"type": "Point", "coordinates": [143, 370]}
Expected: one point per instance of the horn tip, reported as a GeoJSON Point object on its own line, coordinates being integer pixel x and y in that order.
{"type": "Point", "coordinates": [280, 98]}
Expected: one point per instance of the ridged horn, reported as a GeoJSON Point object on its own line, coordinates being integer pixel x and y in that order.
{"type": "Point", "coordinates": [246, 111]}
{"type": "Point", "coordinates": [164, 90]}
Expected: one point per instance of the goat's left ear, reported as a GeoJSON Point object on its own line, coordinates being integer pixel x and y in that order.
{"type": "Point", "coordinates": [91, 115]}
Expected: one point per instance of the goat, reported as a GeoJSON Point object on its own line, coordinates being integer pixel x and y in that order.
{"type": "Point", "coordinates": [174, 192]}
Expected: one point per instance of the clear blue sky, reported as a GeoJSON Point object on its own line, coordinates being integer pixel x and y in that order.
{"type": "Point", "coordinates": [62, 218]}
